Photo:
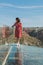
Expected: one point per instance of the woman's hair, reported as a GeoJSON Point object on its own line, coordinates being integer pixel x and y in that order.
{"type": "Point", "coordinates": [18, 20]}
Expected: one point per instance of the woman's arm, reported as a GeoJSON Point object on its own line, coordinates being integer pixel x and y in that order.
{"type": "Point", "coordinates": [14, 24]}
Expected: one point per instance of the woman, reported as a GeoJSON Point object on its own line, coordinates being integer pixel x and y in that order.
{"type": "Point", "coordinates": [18, 30]}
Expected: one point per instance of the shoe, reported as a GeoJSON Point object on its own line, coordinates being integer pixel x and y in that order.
{"type": "Point", "coordinates": [6, 43]}
{"type": "Point", "coordinates": [18, 45]}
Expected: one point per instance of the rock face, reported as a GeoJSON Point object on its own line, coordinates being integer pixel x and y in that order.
{"type": "Point", "coordinates": [26, 39]}
{"type": "Point", "coordinates": [36, 33]}
{"type": "Point", "coordinates": [29, 37]}
{"type": "Point", "coordinates": [31, 40]}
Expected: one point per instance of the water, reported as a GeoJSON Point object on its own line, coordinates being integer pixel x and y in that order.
{"type": "Point", "coordinates": [26, 55]}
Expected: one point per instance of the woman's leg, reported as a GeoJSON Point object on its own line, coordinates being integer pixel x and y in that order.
{"type": "Point", "coordinates": [18, 40]}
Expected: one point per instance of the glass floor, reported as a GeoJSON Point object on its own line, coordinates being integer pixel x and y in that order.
{"type": "Point", "coordinates": [25, 55]}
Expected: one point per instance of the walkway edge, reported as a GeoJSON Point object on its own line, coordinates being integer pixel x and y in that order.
{"type": "Point", "coordinates": [4, 62]}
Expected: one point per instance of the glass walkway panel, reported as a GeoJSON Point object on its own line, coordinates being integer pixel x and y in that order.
{"type": "Point", "coordinates": [25, 55]}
